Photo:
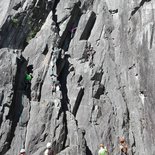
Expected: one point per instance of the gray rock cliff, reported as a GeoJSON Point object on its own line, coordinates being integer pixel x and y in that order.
{"type": "Point", "coordinates": [93, 68]}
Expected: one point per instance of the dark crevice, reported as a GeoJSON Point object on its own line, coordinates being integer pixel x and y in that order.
{"type": "Point", "coordinates": [97, 76]}
{"type": "Point", "coordinates": [17, 6]}
{"type": "Point", "coordinates": [71, 27]}
{"type": "Point", "coordinates": [45, 50]}
{"type": "Point", "coordinates": [16, 107]}
{"type": "Point", "coordinates": [131, 67]}
{"type": "Point", "coordinates": [89, 26]}
{"type": "Point", "coordinates": [2, 111]}
{"type": "Point", "coordinates": [80, 79]}
{"type": "Point", "coordinates": [133, 145]}
{"type": "Point", "coordinates": [40, 88]}
{"type": "Point", "coordinates": [63, 82]}
{"type": "Point", "coordinates": [1, 97]}
{"type": "Point", "coordinates": [27, 84]}
{"type": "Point", "coordinates": [138, 7]}
{"type": "Point", "coordinates": [54, 14]}
{"type": "Point", "coordinates": [100, 91]}
{"type": "Point", "coordinates": [143, 1]}
{"type": "Point", "coordinates": [66, 130]}
{"type": "Point", "coordinates": [88, 151]}
{"type": "Point", "coordinates": [152, 35]}
{"type": "Point", "coordinates": [62, 78]}
{"type": "Point", "coordinates": [78, 101]}
{"type": "Point", "coordinates": [113, 11]}
{"type": "Point", "coordinates": [19, 29]}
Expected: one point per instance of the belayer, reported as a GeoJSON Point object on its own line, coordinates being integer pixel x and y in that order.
{"type": "Point", "coordinates": [123, 146]}
{"type": "Point", "coordinates": [102, 150]}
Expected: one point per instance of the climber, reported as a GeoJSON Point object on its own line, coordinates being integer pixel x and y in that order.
{"type": "Point", "coordinates": [22, 152]}
{"type": "Point", "coordinates": [49, 150]}
{"type": "Point", "coordinates": [123, 146]}
{"type": "Point", "coordinates": [28, 77]}
{"type": "Point", "coordinates": [102, 150]}
{"type": "Point", "coordinates": [28, 74]}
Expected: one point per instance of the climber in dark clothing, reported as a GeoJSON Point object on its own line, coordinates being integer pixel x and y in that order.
{"type": "Point", "coordinates": [123, 146]}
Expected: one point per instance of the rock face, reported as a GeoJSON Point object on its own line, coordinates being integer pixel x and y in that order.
{"type": "Point", "coordinates": [93, 67]}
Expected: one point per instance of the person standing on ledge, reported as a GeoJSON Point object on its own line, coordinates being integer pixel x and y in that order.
{"type": "Point", "coordinates": [123, 146]}
{"type": "Point", "coordinates": [102, 150]}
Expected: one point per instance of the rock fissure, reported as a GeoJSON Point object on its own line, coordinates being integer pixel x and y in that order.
{"type": "Point", "coordinates": [89, 48]}
{"type": "Point", "coordinates": [16, 107]}
{"type": "Point", "coordinates": [78, 101]}
{"type": "Point", "coordinates": [138, 7]}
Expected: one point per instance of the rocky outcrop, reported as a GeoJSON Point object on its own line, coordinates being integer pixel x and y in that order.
{"type": "Point", "coordinates": [92, 63]}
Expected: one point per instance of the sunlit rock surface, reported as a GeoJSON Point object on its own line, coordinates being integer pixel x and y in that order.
{"type": "Point", "coordinates": [103, 57]}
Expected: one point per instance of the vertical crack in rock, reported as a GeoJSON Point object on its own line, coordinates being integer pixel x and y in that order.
{"type": "Point", "coordinates": [89, 26]}
{"type": "Point", "coordinates": [152, 35]}
{"type": "Point", "coordinates": [16, 107]}
{"type": "Point", "coordinates": [73, 23]}
{"type": "Point", "coordinates": [138, 7]}
{"type": "Point", "coordinates": [54, 14]}
{"type": "Point", "coordinates": [2, 111]}
{"type": "Point", "coordinates": [126, 117]}
{"type": "Point", "coordinates": [98, 88]}
{"type": "Point", "coordinates": [65, 100]}
{"type": "Point", "coordinates": [108, 83]}
{"type": "Point", "coordinates": [1, 97]}
{"type": "Point", "coordinates": [63, 81]}
{"type": "Point", "coordinates": [78, 101]}
{"type": "Point", "coordinates": [133, 146]}
{"type": "Point", "coordinates": [88, 151]}
{"type": "Point", "coordinates": [66, 130]}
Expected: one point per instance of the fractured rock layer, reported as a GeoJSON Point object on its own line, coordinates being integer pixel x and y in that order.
{"type": "Point", "coordinates": [92, 64]}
